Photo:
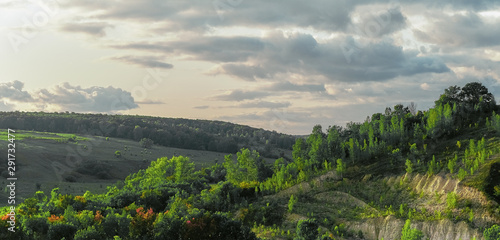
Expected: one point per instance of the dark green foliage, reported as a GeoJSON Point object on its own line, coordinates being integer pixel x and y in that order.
{"type": "Point", "coordinates": [171, 132]}
{"type": "Point", "coordinates": [492, 233]}
{"type": "Point", "coordinates": [307, 229]}
{"type": "Point", "coordinates": [116, 224]}
{"type": "Point", "coordinates": [268, 214]}
{"type": "Point", "coordinates": [89, 233]}
{"type": "Point", "coordinates": [58, 231]}
{"type": "Point", "coordinates": [293, 200]}
{"type": "Point", "coordinates": [146, 143]}
{"type": "Point", "coordinates": [35, 227]}
{"type": "Point", "coordinates": [167, 228]}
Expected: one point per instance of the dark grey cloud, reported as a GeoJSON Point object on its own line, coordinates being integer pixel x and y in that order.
{"type": "Point", "coordinates": [202, 15]}
{"type": "Point", "coordinates": [331, 15]}
{"type": "Point", "coordinates": [143, 61]}
{"type": "Point", "coordinates": [217, 49]}
{"type": "Point", "coordinates": [92, 99]}
{"type": "Point", "coordinates": [97, 29]}
{"type": "Point", "coordinates": [466, 31]}
{"type": "Point", "coordinates": [380, 24]}
{"type": "Point", "coordinates": [341, 59]}
{"type": "Point", "coordinates": [239, 95]}
{"type": "Point", "coordinates": [14, 91]}
{"type": "Point", "coordinates": [479, 5]}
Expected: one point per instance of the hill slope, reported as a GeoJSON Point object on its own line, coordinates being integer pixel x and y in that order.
{"type": "Point", "coordinates": [207, 135]}
{"type": "Point", "coordinates": [49, 160]}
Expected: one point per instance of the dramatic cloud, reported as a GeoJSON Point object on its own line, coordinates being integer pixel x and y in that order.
{"type": "Point", "coordinates": [150, 62]}
{"type": "Point", "coordinates": [217, 49]}
{"type": "Point", "coordinates": [336, 60]}
{"type": "Point", "coordinates": [340, 59]}
{"type": "Point", "coordinates": [201, 15]}
{"type": "Point", "coordinates": [93, 99]}
{"type": "Point", "coordinates": [14, 91]}
{"type": "Point", "coordinates": [320, 61]}
{"type": "Point", "coordinates": [378, 24]}
{"type": "Point", "coordinates": [461, 30]}
{"type": "Point", "coordinates": [66, 97]}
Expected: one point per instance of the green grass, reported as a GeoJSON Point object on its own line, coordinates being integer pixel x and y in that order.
{"type": "Point", "coordinates": [22, 134]}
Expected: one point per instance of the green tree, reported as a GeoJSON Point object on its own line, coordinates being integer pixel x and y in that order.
{"type": "Point", "coordinates": [299, 149]}
{"type": "Point", "coordinates": [340, 167]}
{"type": "Point", "coordinates": [317, 145]}
{"type": "Point", "coordinates": [307, 229]}
{"type": "Point", "coordinates": [184, 168]}
{"type": "Point", "coordinates": [246, 168]}
{"type": "Point", "coordinates": [452, 163]}
{"type": "Point", "coordinates": [293, 200]}
{"type": "Point", "coordinates": [409, 166]}
{"type": "Point", "coordinates": [492, 233]}
{"type": "Point", "coordinates": [451, 200]}
{"type": "Point", "coordinates": [473, 92]}
{"type": "Point", "coordinates": [334, 142]}
{"type": "Point", "coordinates": [409, 233]}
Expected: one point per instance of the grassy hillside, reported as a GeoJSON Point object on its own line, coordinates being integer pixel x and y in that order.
{"type": "Point", "coordinates": [216, 136]}
{"type": "Point", "coordinates": [77, 163]}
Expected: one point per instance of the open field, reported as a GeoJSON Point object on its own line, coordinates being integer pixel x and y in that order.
{"type": "Point", "coordinates": [76, 164]}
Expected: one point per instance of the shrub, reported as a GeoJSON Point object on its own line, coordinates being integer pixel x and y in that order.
{"type": "Point", "coordinates": [146, 143]}
{"type": "Point", "coordinates": [116, 225]}
{"type": "Point", "coordinates": [35, 226]}
{"type": "Point", "coordinates": [291, 203]}
{"type": "Point", "coordinates": [61, 230]}
{"type": "Point", "coordinates": [89, 233]}
{"type": "Point", "coordinates": [307, 229]}
{"type": "Point", "coordinates": [492, 233]}
{"type": "Point", "coordinates": [409, 233]}
{"type": "Point", "coordinates": [451, 200]}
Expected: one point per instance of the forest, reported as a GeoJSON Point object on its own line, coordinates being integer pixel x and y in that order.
{"type": "Point", "coordinates": [242, 197]}
{"type": "Point", "coordinates": [208, 135]}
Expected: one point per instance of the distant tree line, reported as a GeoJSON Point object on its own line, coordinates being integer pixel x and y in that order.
{"type": "Point", "coordinates": [172, 132]}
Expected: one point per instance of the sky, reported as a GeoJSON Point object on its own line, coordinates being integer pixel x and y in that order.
{"type": "Point", "coordinates": [283, 65]}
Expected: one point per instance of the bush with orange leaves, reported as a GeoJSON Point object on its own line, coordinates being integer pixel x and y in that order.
{"type": "Point", "coordinates": [54, 219]}
{"type": "Point", "coordinates": [98, 217]}
{"type": "Point", "coordinates": [142, 223]}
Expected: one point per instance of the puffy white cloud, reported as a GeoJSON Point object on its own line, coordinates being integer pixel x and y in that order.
{"type": "Point", "coordinates": [66, 97]}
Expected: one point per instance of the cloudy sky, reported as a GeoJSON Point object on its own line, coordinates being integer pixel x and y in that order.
{"type": "Point", "coordinates": [283, 65]}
